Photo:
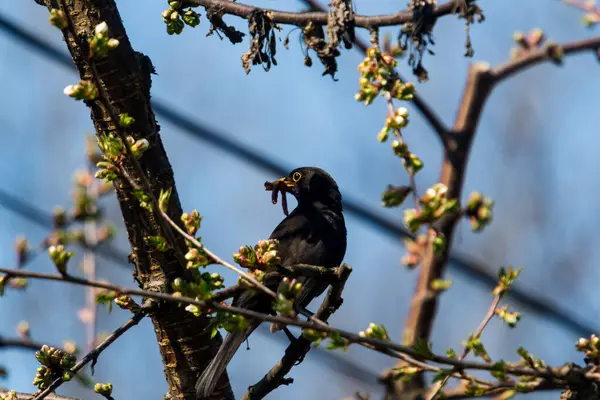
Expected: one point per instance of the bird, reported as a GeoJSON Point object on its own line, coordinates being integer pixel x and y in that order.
{"type": "Point", "coordinates": [313, 233]}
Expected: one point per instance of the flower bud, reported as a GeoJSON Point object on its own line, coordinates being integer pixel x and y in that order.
{"type": "Point", "coordinates": [101, 29]}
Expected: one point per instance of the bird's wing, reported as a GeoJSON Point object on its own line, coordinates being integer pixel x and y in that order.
{"type": "Point", "coordinates": [299, 244]}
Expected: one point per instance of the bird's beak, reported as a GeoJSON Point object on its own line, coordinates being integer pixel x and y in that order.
{"type": "Point", "coordinates": [281, 185]}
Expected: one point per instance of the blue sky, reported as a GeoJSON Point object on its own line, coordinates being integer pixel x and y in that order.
{"type": "Point", "coordinates": [535, 154]}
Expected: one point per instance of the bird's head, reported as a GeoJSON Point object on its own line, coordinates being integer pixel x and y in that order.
{"type": "Point", "coordinates": [309, 185]}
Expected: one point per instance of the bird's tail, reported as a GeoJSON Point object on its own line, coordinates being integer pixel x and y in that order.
{"type": "Point", "coordinates": [205, 385]}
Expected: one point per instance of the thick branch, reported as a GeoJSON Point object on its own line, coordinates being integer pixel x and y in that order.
{"type": "Point", "coordinates": [298, 349]}
{"type": "Point", "coordinates": [480, 82]}
{"type": "Point", "coordinates": [320, 18]}
{"type": "Point", "coordinates": [124, 79]}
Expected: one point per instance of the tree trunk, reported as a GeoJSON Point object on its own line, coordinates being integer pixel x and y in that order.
{"type": "Point", "coordinates": [183, 339]}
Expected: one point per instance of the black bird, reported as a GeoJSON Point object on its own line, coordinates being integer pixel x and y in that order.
{"type": "Point", "coordinates": [314, 233]}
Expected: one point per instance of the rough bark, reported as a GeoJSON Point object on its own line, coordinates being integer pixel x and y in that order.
{"type": "Point", "coordinates": [184, 341]}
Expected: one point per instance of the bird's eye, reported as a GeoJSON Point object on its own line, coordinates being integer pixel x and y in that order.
{"type": "Point", "coordinates": [296, 177]}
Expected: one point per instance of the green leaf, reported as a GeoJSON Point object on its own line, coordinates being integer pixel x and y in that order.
{"type": "Point", "coordinates": [394, 196]}
{"type": "Point", "coordinates": [125, 120]}
{"type": "Point", "coordinates": [451, 353]}
{"type": "Point", "coordinates": [440, 285]}
{"type": "Point", "coordinates": [163, 199]}
{"type": "Point", "coordinates": [474, 344]}
{"type": "Point", "coordinates": [475, 390]}
{"type": "Point", "coordinates": [337, 342]}
{"type": "Point", "coordinates": [498, 370]}
{"type": "Point", "coordinates": [143, 198]}
{"type": "Point", "coordinates": [158, 241]}
{"type": "Point", "coordinates": [423, 348]}
{"type": "Point", "coordinates": [443, 374]}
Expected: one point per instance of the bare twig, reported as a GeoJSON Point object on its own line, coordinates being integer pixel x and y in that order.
{"type": "Point", "coordinates": [533, 57]}
{"type": "Point", "coordinates": [92, 356]}
{"type": "Point", "coordinates": [22, 343]}
{"type": "Point", "coordinates": [411, 174]}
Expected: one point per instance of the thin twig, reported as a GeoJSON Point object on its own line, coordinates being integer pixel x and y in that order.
{"type": "Point", "coordinates": [216, 258]}
{"type": "Point", "coordinates": [228, 293]}
{"type": "Point", "coordinates": [21, 343]}
{"type": "Point", "coordinates": [92, 356]}
{"type": "Point", "coordinates": [533, 57]}
{"type": "Point", "coordinates": [489, 315]}
{"type": "Point", "coordinates": [411, 174]}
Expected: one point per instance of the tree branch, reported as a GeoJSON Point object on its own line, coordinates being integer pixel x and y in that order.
{"type": "Point", "coordinates": [460, 391]}
{"type": "Point", "coordinates": [21, 343]}
{"type": "Point", "coordinates": [561, 375]}
{"type": "Point", "coordinates": [480, 82]}
{"type": "Point", "coordinates": [320, 18]}
{"type": "Point", "coordinates": [298, 349]}
{"type": "Point", "coordinates": [537, 56]}
{"type": "Point", "coordinates": [92, 356]}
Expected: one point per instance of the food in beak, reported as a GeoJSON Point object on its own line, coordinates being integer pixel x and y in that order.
{"type": "Point", "coordinates": [276, 187]}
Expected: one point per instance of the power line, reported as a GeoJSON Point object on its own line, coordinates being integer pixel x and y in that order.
{"type": "Point", "coordinates": [460, 263]}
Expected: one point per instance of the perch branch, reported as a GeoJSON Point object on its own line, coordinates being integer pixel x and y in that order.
{"type": "Point", "coordinates": [298, 349]}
